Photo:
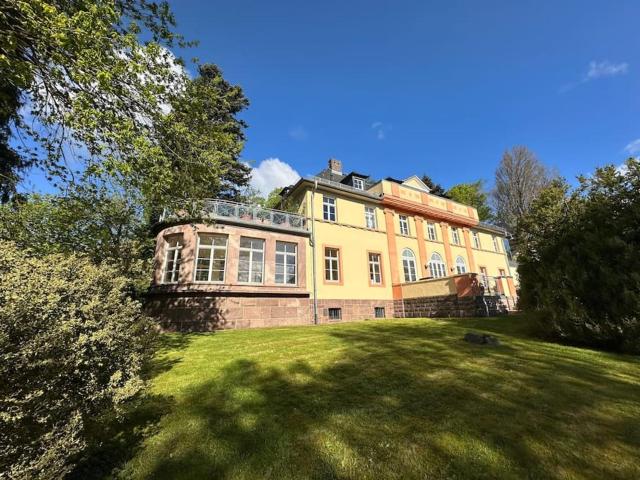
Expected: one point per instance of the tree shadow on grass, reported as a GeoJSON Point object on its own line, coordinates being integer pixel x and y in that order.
{"type": "Point", "coordinates": [406, 400]}
{"type": "Point", "coordinates": [115, 439]}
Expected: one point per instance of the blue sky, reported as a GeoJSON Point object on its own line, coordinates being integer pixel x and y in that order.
{"type": "Point", "coordinates": [403, 87]}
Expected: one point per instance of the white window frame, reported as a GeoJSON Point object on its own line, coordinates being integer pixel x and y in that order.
{"type": "Point", "coordinates": [437, 267]}
{"type": "Point", "coordinates": [409, 266]}
{"type": "Point", "coordinates": [358, 183]}
{"type": "Point", "coordinates": [461, 265]}
{"type": "Point", "coordinates": [331, 259]}
{"type": "Point", "coordinates": [476, 240]}
{"type": "Point", "coordinates": [175, 253]}
{"type": "Point", "coordinates": [432, 234]}
{"type": "Point", "coordinates": [404, 224]}
{"type": "Point", "coordinates": [370, 220]}
{"type": "Point", "coordinates": [329, 208]}
{"type": "Point", "coordinates": [375, 268]}
{"type": "Point", "coordinates": [252, 251]}
{"type": "Point", "coordinates": [455, 235]}
{"type": "Point", "coordinates": [290, 259]}
{"type": "Point", "coordinates": [212, 249]}
{"type": "Point", "coordinates": [495, 244]}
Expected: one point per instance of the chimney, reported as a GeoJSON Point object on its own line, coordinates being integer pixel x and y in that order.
{"type": "Point", "coordinates": [335, 166]}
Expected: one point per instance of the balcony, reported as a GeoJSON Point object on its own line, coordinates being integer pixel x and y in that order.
{"type": "Point", "coordinates": [246, 214]}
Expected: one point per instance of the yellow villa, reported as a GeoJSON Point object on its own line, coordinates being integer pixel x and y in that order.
{"type": "Point", "coordinates": [355, 248]}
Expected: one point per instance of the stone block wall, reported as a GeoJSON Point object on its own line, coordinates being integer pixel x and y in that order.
{"type": "Point", "coordinates": [354, 309]}
{"type": "Point", "coordinates": [205, 312]}
{"type": "Point", "coordinates": [438, 306]}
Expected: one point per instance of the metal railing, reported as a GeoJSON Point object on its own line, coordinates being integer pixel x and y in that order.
{"type": "Point", "coordinates": [247, 213]}
{"type": "Point", "coordinates": [490, 284]}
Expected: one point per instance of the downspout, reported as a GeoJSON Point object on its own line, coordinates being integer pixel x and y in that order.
{"type": "Point", "coordinates": [313, 253]}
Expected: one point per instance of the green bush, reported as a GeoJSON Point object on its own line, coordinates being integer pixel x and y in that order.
{"type": "Point", "coordinates": [72, 345]}
{"type": "Point", "coordinates": [579, 259]}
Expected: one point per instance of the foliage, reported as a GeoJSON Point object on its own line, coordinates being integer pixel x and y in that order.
{"type": "Point", "coordinates": [105, 227]}
{"type": "Point", "coordinates": [578, 259]}
{"type": "Point", "coordinates": [12, 162]}
{"type": "Point", "coordinates": [472, 194]}
{"type": "Point", "coordinates": [72, 345]}
{"type": "Point", "coordinates": [519, 179]}
{"type": "Point", "coordinates": [435, 188]}
{"type": "Point", "coordinates": [106, 107]}
{"type": "Point", "coordinates": [91, 87]}
{"type": "Point", "coordinates": [273, 200]}
{"type": "Point", "coordinates": [202, 130]}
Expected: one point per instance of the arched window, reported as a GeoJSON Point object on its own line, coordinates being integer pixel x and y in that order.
{"type": "Point", "coordinates": [409, 265]}
{"type": "Point", "coordinates": [437, 267]}
{"type": "Point", "coordinates": [461, 266]}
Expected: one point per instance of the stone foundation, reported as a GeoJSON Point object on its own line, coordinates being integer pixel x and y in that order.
{"type": "Point", "coordinates": [452, 306]}
{"type": "Point", "coordinates": [205, 312]}
{"type": "Point", "coordinates": [354, 309]}
{"type": "Point", "coordinates": [439, 306]}
{"type": "Point", "coordinates": [202, 312]}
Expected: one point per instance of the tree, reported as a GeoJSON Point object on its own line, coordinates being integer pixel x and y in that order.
{"type": "Point", "coordinates": [274, 200]}
{"type": "Point", "coordinates": [435, 188]}
{"type": "Point", "coordinates": [578, 259]}
{"type": "Point", "coordinates": [72, 345]}
{"type": "Point", "coordinates": [106, 227]}
{"type": "Point", "coordinates": [202, 129]}
{"type": "Point", "coordinates": [12, 163]}
{"type": "Point", "coordinates": [472, 194]}
{"type": "Point", "coordinates": [118, 110]}
{"type": "Point", "coordinates": [520, 178]}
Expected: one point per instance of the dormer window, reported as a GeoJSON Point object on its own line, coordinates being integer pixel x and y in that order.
{"type": "Point", "coordinates": [358, 183]}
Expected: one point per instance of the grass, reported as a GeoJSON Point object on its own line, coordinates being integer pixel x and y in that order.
{"type": "Point", "coordinates": [396, 399]}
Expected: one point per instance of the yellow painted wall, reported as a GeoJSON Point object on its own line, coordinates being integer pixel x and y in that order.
{"type": "Point", "coordinates": [355, 240]}
{"type": "Point", "coordinates": [430, 288]}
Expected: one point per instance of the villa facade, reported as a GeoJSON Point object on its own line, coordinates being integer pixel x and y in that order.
{"type": "Point", "coordinates": [354, 248]}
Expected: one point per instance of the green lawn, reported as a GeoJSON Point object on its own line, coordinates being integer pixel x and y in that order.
{"type": "Point", "coordinates": [387, 399]}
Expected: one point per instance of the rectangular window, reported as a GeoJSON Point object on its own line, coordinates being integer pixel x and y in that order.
{"type": "Point", "coordinates": [329, 208]}
{"type": "Point", "coordinates": [379, 312]}
{"type": "Point", "coordinates": [172, 259]}
{"type": "Point", "coordinates": [370, 217]}
{"type": "Point", "coordinates": [496, 247]}
{"type": "Point", "coordinates": [476, 240]}
{"type": "Point", "coordinates": [331, 264]}
{"type": "Point", "coordinates": [286, 263]}
{"type": "Point", "coordinates": [358, 183]}
{"type": "Point", "coordinates": [335, 313]}
{"type": "Point", "coordinates": [455, 235]}
{"type": "Point", "coordinates": [502, 273]}
{"type": "Point", "coordinates": [211, 258]}
{"type": "Point", "coordinates": [251, 260]}
{"type": "Point", "coordinates": [375, 270]}
{"type": "Point", "coordinates": [431, 232]}
{"type": "Point", "coordinates": [404, 225]}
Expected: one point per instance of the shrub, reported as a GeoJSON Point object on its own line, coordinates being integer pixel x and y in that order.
{"type": "Point", "coordinates": [71, 348]}
{"type": "Point", "coordinates": [578, 259]}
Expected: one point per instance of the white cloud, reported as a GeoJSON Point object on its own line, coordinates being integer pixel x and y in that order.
{"type": "Point", "coordinates": [606, 69]}
{"type": "Point", "coordinates": [380, 129]}
{"type": "Point", "coordinates": [633, 147]}
{"type": "Point", "coordinates": [272, 173]}
{"type": "Point", "coordinates": [298, 133]}
{"type": "Point", "coordinates": [598, 70]}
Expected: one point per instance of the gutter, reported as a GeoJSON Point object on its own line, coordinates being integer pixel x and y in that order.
{"type": "Point", "coordinates": [313, 253]}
